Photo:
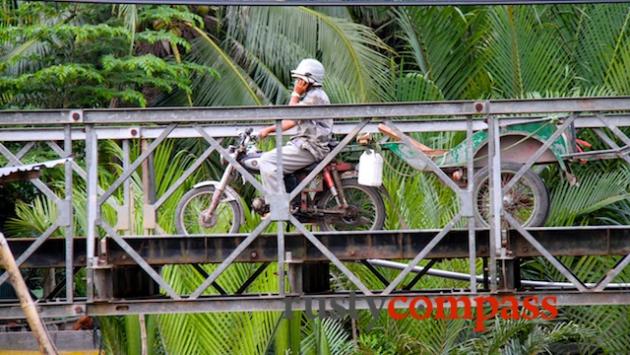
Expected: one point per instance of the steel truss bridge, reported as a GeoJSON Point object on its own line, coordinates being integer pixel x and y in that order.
{"type": "Point", "coordinates": [107, 248]}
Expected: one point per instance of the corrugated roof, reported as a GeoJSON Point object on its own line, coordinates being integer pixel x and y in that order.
{"type": "Point", "coordinates": [8, 171]}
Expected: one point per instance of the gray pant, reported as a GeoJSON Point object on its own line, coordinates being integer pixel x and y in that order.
{"type": "Point", "coordinates": [293, 159]}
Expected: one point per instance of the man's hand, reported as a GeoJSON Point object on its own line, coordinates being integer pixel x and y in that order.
{"type": "Point", "coordinates": [265, 132]}
{"type": "Point", "coordinates": [286, 124]}
{"type": "Point", "coordinates": [300, 87]}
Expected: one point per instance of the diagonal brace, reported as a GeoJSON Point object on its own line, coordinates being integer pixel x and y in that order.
{"type": "Point", "coordinates": [37, 182]}
{"type": "Point", "coordinates": [406, 140]}
{"type": "Point", "coordinates": [79, 170]}
{"type": "Point", "coordinates": [200, 160]}
{"type": "Point", "coordinates": [611, 274]}
{"type": "Point", "coordinates": [375, 272]}
{"type": "Point", "coordinates": [327, 253]}
{"type": "Point", "coordinates": [25, 149]}
{"type": "Point", "coordinates": [140, 261]}
{"type": "Point", "coordinates": [420, 274]}
{"type": "Point", "coordinates": [244, 173]}
{"type": "Point", "coordinates": [541, 249]}
{"type": "Point", "coordinates": [320, 166]}
{"type": "Point", "coordinates": [205, 275]}
{"type": "Point", "coordinates": [125, 175]}
{"type": "Point", "coordinates": [532, 159]}
{"type": "Point", "coordinates": [252, 278]}
{"type": "Point", "coordinates": [421, 255]}
{"type": "Point", "coordinates": [604, 137]}
{"type": "Point", "coordinates": [31, 249]}
{"type": "Point", "coordinates": [233, 255]}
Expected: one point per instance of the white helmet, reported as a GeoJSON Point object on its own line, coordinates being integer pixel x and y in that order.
{"type": "Point", "coordinates": [309, 70]}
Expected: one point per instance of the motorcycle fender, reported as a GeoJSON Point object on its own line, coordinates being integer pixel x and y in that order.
{"type": "Point", "coordinates": [351, 174]}
{"type": "Point", "coordinates": [231, 194]}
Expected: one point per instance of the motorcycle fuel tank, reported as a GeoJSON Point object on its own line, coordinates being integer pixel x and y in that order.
{"type": "Point", "coordinates": [251, 161]}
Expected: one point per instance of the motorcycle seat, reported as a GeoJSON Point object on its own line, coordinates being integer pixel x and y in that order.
{"type": "Point", "coordinates": [308, 168]}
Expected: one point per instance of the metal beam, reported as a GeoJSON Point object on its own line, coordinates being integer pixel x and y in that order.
{"type": "Point", "coordinates": [276, 303]}
{"type": "Point", "coordinates": [454, 124]}
{"type": "Point", "coordinates": [217, 115]}
{"type": "Point", "coordinates": [350, 246]}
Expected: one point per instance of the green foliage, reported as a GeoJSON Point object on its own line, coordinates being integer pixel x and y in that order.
{"type": "Point", "coordinates": [524, 54]}
{"type": "Point", "coordinates": [444, 45]}
{"type": "Point", "coordinates": [325, 337]}
{"type": "Point", "coordinates": [255, 47]}
{"type": "Point", "coordinates": [32, 219]}
{"type": "Point", "coordinates": [83, 59]}
{"type": "Point", "coordinates": [593, 192]}
{"type": "Point", "coordinates": [166, 16]}
{"type": "Point", "coordinates": [523, 337]}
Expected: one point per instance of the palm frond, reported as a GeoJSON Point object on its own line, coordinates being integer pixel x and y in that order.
{"type": "Point", "coordinates": [523, 54]}
{"type": "Point", "coordinates": [273, 88]}
{"type": "Point", "coordinates": [129, 13]}
{"type": "Point", "coordinates": [444, 43]}
{"type": "Point", "coordinates": [351, 53]}
{"type": "Point", "coordinates": [602, 46]}
{"type": "Point", "coordinates": [234, 87]}
{"type": "Point", "coordinates": [594, 191]}
{"type": "Point", "coordinates": [326, 336]}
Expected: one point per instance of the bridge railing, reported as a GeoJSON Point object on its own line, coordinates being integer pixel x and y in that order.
{"type": "Point", "coordinates": [21, 130]}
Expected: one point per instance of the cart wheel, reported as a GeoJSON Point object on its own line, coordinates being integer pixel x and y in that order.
{"type": "Point", "coordinates": [527, 201]}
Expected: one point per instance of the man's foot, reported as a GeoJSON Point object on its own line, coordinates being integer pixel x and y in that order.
{"type": "Point", "coordinates": [260, 206]}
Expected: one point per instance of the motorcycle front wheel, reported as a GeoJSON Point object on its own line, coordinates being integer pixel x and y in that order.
{"type": "Point", "coordinates": [366, 209]}
{"type": "Point", "coordinates": [187, 214]}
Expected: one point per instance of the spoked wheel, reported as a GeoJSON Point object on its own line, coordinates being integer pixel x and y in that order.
{"type": "Point", "coordinates": [527, 201]}
{"type": "Point", "coordinates": [227, 216]}
{"type": "Point", "coordinates": [366, 209]}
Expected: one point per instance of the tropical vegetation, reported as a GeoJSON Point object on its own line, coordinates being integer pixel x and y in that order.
{"type": "Point", "coordinates": [80, 55]}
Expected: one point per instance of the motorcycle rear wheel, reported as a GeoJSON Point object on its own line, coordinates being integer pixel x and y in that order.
{"type": "Point", "coordinates": [527, 201]}
{"type": "Point", "coordinates": [366, 202]}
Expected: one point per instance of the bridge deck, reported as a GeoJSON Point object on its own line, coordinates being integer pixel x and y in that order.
{"type": "Point", "coordinates": [351, 246]}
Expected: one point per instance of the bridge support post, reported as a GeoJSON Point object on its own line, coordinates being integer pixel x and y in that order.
{"type": "Point", "coordinates": [496, 199]}
{"type": "Point", "coordinates": [103, 281]}
{"type": "Point", "coordinates": [294, 274]}
{"type": "Point", "coordinates": [510, 276]}
{"type": "Point", "coordinates": [91, 157]}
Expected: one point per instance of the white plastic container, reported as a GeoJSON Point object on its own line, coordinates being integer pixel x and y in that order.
{"type": "Point", "coordinates": [371, 168]}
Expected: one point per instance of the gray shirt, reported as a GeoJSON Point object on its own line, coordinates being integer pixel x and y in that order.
{"type": "Point", "coordinates": [314, 135]}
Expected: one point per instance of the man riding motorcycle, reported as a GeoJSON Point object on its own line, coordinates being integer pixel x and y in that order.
{"type": "Point", "coordinates": [335, 202]}
{"type": "Point", "coordinates": [310, 144]}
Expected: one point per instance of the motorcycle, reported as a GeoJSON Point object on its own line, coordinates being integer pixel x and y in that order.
{"type": "Point", "coordinates": [334, 200]}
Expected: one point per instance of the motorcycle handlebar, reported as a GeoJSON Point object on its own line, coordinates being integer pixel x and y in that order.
{"type": "Point", "coordinates": [247, 137]}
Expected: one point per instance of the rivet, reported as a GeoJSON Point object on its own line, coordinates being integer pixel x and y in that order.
{"type": "Point", "coordinates": [134, 132]}
{"type": "Point", "coordinates": [479, 106]}
{"type": "Point", "coordinates": [76, 116]}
